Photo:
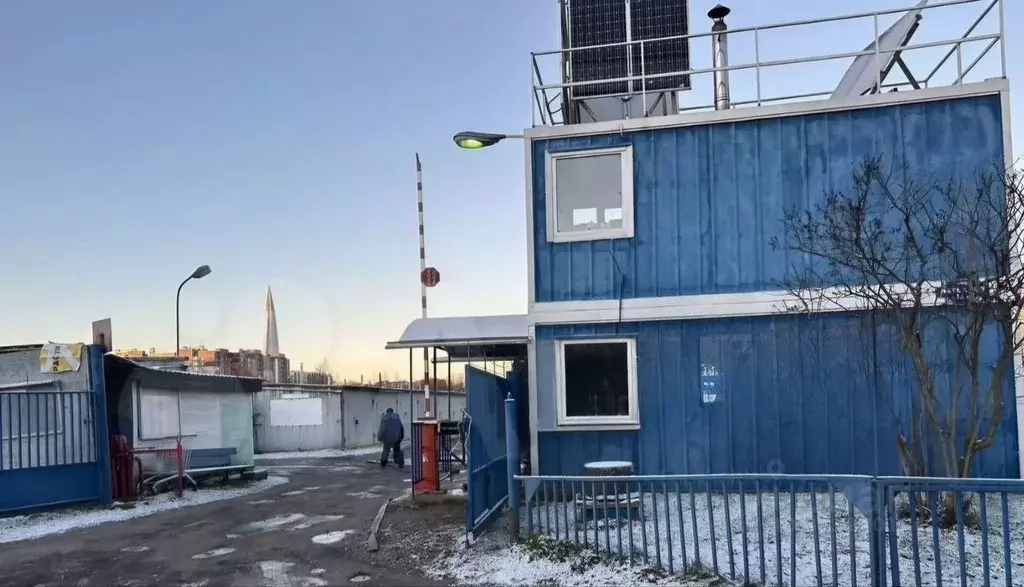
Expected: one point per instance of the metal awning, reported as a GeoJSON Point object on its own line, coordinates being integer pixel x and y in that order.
{"type": "Point", "coordinates": [483, 337]}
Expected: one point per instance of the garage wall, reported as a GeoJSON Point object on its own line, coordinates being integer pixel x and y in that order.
{"type": "Point", "coordinates": [208, 420]}
{"type": "Point", "coordinates": [286, 417]}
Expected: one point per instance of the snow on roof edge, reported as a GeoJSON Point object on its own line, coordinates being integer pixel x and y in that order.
{"type": "Point", "coordinates": [459, 330]}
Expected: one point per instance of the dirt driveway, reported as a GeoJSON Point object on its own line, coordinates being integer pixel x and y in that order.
{"type": "Point", "coordinates": [310, 532]}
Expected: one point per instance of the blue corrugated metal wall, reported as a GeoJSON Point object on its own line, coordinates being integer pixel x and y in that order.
{"type": "Point", "coordinates": [796, 394]}
{"type": "Point", "coordinates": [709, 198]}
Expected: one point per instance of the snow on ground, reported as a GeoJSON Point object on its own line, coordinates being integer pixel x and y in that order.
{"type": "Point", "coordinates": [325, 453]}
{"type": "Point", "coordinates": [491, 561]}
{"type": "Point", "coordinates": [723, 533]}
{"type": "Point", "coordinates": [32, 526]}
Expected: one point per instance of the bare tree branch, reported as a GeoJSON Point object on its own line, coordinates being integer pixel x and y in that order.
{"type": "Point", "coordinates": [935, 262]}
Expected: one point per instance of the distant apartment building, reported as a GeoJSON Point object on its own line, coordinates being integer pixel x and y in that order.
{"type": "Point", "coordinates": [248, 362]}
{"type": "Point", "coordinates": [244, 362]}
{"type": "Point", "coordinates": [276, 369]}
{"type": "Point", "coordinates": [204, 360]}
{"type": "Point", "coordinates": [152, 358]}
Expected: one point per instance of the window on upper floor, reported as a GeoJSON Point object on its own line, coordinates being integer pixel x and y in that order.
{"type": "Point", "coordinates": [597, 382]}
{"type": "Point", "coordinates": [591, 194]}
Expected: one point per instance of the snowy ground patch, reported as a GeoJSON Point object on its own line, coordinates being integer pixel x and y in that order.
{"type": "Point", "coordinates": [216, 552]}
{"type": "Point", "coordinates": [326, 453]}
{"type": "Point", "coordinates": [332, 537]}
{"type": "Point", "coordinates": [32, 526]}
{"type": "Point", "coordinates": [544, 561]}
{"type": "Point", "coordinates": [799, 534]}
{"type": "Point", "coordinates": [288, 522]}
{"type": "Point", "coordinates": [372, 493]}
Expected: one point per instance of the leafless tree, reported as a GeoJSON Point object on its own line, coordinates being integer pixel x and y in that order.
{"type": "Point", "coordinates": [935, 264]}
{"type": "Point", "coordinates": [323, 367]}
{"type": "Point", "coordinates": [324, 376]}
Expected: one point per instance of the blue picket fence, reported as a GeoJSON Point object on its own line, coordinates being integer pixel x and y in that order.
{"type": "Point", "coordinates": [791, 529]}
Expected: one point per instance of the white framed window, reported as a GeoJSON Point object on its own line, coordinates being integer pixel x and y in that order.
{"type": "Point", "coordinates": [597, 382]}
{"type": "Point", "coordinates": [590, 194]}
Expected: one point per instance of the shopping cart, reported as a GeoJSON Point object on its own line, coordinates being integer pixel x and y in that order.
{"type": "Point", "coordinates": [164, 468]}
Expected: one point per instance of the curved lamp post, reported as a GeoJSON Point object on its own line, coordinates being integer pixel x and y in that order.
{"type": "Point", "coordinates": [200, 272]}
{"type": "Point", "coordinates": [479, 140]}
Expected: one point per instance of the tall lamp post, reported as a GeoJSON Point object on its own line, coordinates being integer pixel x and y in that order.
{"type": "Point", "coordinates": [200, 272]}
{"type": "Point", "coordinates": [473, 140]}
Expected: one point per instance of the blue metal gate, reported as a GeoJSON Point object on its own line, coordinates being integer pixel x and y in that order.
{"type": "Point", "coordinates": [487, 483]}
{"type": "Point", "coordinates": [53, 442]}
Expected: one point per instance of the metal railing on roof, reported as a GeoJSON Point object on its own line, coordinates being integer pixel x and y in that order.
{"type": "Point", "coordinates": [548, 100]}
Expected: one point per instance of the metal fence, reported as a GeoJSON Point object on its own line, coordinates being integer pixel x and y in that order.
{"type": "Point", "coordinates": [46, 429]}
{"type": "Point", "coordinates": [790, 529]}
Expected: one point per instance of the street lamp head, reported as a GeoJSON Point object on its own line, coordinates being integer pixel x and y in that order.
{"type": "Point", "coordinates": [201, 272]}
{"type": "Point", "coordinates": [477, 140]}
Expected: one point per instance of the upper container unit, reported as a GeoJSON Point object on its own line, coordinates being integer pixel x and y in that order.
{"type": "Point", "coordinates": [682, 203]}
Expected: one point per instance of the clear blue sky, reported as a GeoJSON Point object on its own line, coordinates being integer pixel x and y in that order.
{"type": "Point", "coordinates": [275, 141]}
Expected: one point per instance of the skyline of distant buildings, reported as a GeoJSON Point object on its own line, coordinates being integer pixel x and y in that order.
{"type": "Point", "coordinates": [268, 364]}
{"type": "Point", "coordinates": [216, 361]}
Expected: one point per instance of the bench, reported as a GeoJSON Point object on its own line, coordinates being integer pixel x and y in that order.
{"type": "Point", "coordinates": [210, 458]}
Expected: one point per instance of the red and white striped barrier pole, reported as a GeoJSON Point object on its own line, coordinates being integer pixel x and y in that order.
{"type": "Point", "coordinates": [423, 288]}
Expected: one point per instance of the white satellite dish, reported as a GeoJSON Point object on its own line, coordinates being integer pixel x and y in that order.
{"type": "Point", "coordinates": [862, 77]}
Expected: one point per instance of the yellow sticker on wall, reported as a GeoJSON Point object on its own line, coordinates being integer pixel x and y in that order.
{"type": "Point", "coordinates": [60, 358]}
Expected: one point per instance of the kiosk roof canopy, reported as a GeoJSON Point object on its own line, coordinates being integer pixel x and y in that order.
{"type": "Point", "coordinates": [466, 335]}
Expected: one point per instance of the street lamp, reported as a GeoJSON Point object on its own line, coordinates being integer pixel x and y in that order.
{"type": "Point", "coordinates": [479, 140]}
{"type": "Point", "coordinates": [200, 272]}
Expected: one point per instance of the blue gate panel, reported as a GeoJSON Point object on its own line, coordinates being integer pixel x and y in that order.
{"type": "Point", "coordinates": [49, 486]}
{"type": "Point", "coordinates": [54, 448]}
{"type": "Point", "coordinates": [487, 486]}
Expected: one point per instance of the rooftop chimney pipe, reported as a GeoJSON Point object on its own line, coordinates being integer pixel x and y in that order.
{"type": "Point", "coordinates": [720, 55]}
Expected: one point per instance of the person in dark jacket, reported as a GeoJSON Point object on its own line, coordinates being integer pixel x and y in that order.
{"type": "Point", "coordinates": [391, 434]}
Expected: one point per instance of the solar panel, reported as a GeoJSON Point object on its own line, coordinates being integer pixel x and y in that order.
{"type": "Point", "coordinates": [587, 23]}
{"type": "Point", "coordinates": [655, 19]}
{"type": "Point", "coordinates": [597, 22]}
{"type": "Point", "coordinates": [861, 77]}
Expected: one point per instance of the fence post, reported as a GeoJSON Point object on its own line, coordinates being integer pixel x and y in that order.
{"type": "Point", "coordinates": [512, 465]}
{"type": "Point", "coordinates": [180, 452]}
{"type": "Point", "coordinates": [98, 387]}
{"type": "Point", "coordinates": [877, 530]}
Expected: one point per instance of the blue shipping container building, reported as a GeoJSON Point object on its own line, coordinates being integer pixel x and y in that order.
{"type": "Point", "coordinates": [658, 328]}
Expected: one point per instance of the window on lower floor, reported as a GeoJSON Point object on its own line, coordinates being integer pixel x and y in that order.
{"type": "Point", "coordinates": [597, 382]}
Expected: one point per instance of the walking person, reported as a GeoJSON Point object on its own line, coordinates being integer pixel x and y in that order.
{"type": "Point", "coordinates": [391, 434]}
